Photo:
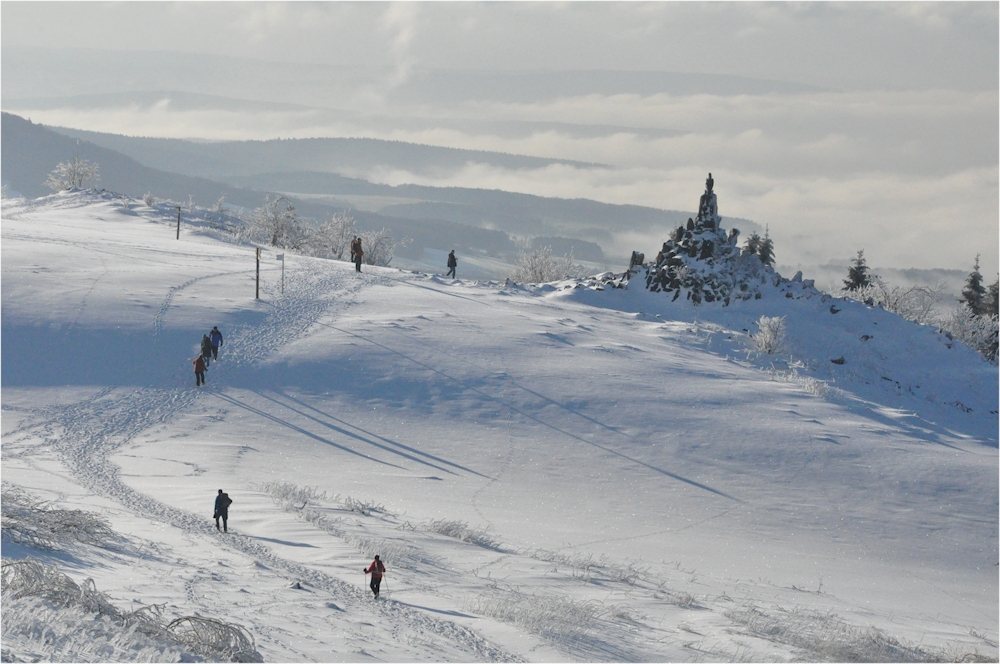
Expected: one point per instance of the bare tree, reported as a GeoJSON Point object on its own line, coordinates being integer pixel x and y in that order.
{"type": "Point", "coordinates": [71, 174]}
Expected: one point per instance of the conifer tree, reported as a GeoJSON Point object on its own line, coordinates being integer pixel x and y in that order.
{"type": "Point", "coordinates": [974, 294]}
{"type": "Point", "coordinates": [753, 244]}
{"type": "Point", "coordinates": [766, 250]}
{"type": "Point", "coordinates": [857, 273]}
{"type": "Point", "coordinates": [993, 302]}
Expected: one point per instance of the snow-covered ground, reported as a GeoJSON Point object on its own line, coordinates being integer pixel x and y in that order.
{"type": "Point", "coordinates": [551, 473]}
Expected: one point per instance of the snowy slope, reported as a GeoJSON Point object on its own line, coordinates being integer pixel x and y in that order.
{"type": "Point", "coordinates": [551, 473]}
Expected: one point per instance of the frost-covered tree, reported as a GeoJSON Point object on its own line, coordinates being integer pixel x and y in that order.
{"type": "Point", "coordinates": [752, 245]}
{"type": "Point", "coordinates": [278, 224]}
{"type": "Point", "coordinates": [993, 300]}
{"type": "Point", "coordinates": [974, 294]}
{"type": "Point", "coordinates": [766, 250]}
{"type": "Point", "coordinates": [379, 247]}
{"type": "Point", "coordinates": [857, 273]}
{"type": "Point", "coordinates": [541, 266]}
{"type": "Point", "coordinates": [72, 174]}
{"type": "Point", "coordinates": [333, 237]}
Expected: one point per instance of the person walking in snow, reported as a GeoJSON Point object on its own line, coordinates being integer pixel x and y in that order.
{"type": "Point", "coordinates": [199, 371]}
{"type": "Point", "coordinates": [357, 252]}
{"type": "Point", "coordinates": [206, 349]}
{"type": "Point", "coordinates": [452, 264]}
{"type": "Point", "coordinates": [222, 503]}
{"type": "Point", "coordinates": [376, 569]}
{"type": "Point", "coordinates": [216, 338]}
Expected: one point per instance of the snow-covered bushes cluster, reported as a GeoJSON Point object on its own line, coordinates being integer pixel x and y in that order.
{"type": "Point", "coordinates": [30, 522]}
{"type": "Point", "coordinates": [47, 611]}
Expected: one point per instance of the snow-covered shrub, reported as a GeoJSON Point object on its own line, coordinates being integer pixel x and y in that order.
{"type": "Point", "coordinates": [362, 507]}
{"type": "Point", "coordinates": [43, 606]}
{"type": "Point", "coordinates": [540, 266]}
{"type": "Point", "coordinates": [461, 531]}
{"type": "Point", "coordinates": [914, 303]}
{"type": "Point", "coordinates": [215, 639]}
{"type": "Point", "coordinates": [770, 336]}
{"type": "Point", "coordinates": [72, 174]}
{"type": "Point", "coordinates": [554, 618]}
{"type": "Point", "coordinates": [826, 637]}
{"type": "Point", "coordinates": [32, 523]}
{"type": "Point", "coordinates": [220, 205]}
{"type": "Point", "coordinates": [977, 332]}
{"type": "Point", "coordinates": [149, 199]}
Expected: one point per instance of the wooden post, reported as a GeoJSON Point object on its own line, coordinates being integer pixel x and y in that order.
{"type": "Point", "coordinates": [281, 257]}
{"type": "Point", "coordinates": [178, 222]}
{"type": "Point", "coordinates": [257, 296]}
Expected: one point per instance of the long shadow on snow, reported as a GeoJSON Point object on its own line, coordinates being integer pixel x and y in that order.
{"type": "Point", "coordinates": [298, 429]}
{"type": "Point", "coordinates": [536, 419]}
{"type": "Point", "coordinates": [350, 434]}
{"type": "Point", "coordinates": [382, 438]}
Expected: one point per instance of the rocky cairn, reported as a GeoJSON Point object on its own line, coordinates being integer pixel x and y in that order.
{"type": "Point", "coordinates": [703, 263]}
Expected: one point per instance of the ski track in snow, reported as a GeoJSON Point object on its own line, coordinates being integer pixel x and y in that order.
{"type": "Point", "coordinates": [87, 433]}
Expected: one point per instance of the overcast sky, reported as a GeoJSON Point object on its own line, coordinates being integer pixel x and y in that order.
{"type": "Point", "coordinates": [890, 145]}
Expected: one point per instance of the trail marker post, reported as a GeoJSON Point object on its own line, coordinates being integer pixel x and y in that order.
{"type": "Point", "coordinates": [257, 295]}
{"type": "Point", "coordinates": [178, 222]}
{"type": "Point", "coordinates": [281, 257]}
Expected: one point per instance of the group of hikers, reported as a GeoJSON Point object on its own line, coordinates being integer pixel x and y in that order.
{"type": "Point", "coordinates": [222, 503]}
{"type": "Point", "coordinates": [209, 351]}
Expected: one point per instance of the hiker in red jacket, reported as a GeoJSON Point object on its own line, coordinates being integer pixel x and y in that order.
{"type": "Point", "coordinates": [376, 569]}
{"type": "Point", "coordinates": [199, 371]}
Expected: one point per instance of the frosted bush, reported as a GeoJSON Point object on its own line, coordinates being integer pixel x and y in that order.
{"type": "Point", "coordinates": [461, 531]}
{"type": "Point", "coordinates": [46, 610]}
{"type": "Point", "coordinates": [554, 618]}
{"type": "Point", "coordinates": [914, 303]}
{"type": "Point", "coordinates": [826, 637]}
{"type": "Point", "coordinates": [979, 333]}
{"type": "Point", "coordinates": [33, 523]}
{"type": "Point", "coordinates": [770, 336]}
{"type": "Point", "coordinates": [149, 199]}
{"type": "Point", "coordinates": [540, 266]}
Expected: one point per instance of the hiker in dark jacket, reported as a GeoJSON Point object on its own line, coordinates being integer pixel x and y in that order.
{"type": "Point", "coordinates": [206, 349]}
{"type": "Point", "coordinates": [452, 264]}
{"type": "Point", "coordinates": [376, 569]}
{"type": "Point", "coordinates": [216, 338]}
{"type": "Point", "coordinates": [358, 253]}
{"type": "Point", "coordinates": [199, 371]}
{"type": "Point", "coordinates": [222, 503]}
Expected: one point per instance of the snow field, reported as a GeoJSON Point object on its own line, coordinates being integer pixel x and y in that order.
{"type": "Point", "coordinates": [550, 473]}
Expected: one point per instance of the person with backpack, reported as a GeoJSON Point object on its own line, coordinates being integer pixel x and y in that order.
{"type": "Point", "coordinates": [357, 252]}
{"type": "Point", "coordinates": [216, 338]}
{"type": "Point", "coordinates": [376, 569]}
{"type": "Point", "coordinates": [206, 349]}
{"type": "Point", "coordinates": [199, 371]}
{"type": "Point", "coordinates": [452, 264]}
{"type": "Point", "coordinates": [222, 503]}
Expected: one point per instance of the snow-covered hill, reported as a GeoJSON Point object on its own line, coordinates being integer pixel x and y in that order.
{"type": "Point", "coordinates": [558, 472]}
